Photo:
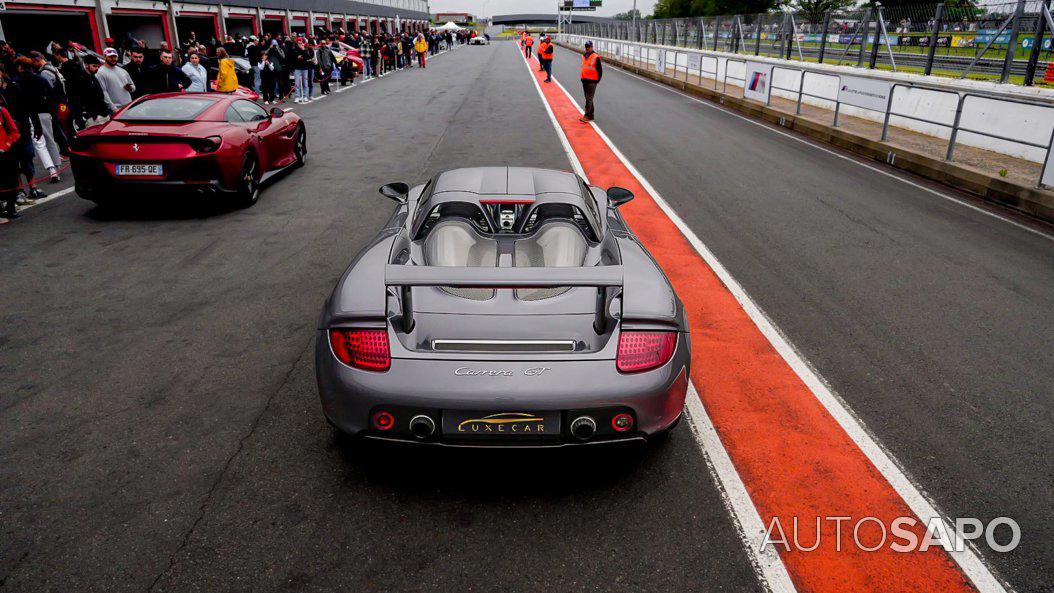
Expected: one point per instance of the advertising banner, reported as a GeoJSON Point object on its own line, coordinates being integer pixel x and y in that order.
{"type": "Point", "coordinates": [1028, 42]}
{"type": "Point", "coordinates": [864, 92]}
{"type": "Point", "coordinates": [695, 62]}
{"type": "Point", "coordinates": [757, 83]}
{"type": "Point", "coordinates": [986, 35]}
{"type": "Point", "coordinates": [962, 41]}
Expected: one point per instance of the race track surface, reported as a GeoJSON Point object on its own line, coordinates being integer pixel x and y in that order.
{"type": "Point", "coordinates": [160, 427]}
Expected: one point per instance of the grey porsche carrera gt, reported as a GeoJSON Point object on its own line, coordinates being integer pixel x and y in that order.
{"type": "Point", "coordinates": [503, 306]}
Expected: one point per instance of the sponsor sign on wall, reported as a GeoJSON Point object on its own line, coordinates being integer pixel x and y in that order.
{"type": "Point", "coordinates": [757, 83]}
{"type": "Point", "coordinates": [695, 62]}
{"type": "Point", "coordinates": [864, 92]}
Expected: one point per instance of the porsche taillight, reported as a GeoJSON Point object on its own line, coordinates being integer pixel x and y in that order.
{"type": "Point", "coordinates": [644, 350]}
{"type": "Point", "coordinates": [365, 349]}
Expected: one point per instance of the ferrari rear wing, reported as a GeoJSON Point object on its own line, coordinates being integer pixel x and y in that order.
{"type": "Point", "coordinates": [599, 277]}
{"type": "Point", "coordinates": [490, 277]}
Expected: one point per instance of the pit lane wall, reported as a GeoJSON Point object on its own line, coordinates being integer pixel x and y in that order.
{"type": "Point", "coordinates": [1012, 120]}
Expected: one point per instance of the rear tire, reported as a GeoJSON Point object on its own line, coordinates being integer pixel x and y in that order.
{"type": "Point", "coordinates": [249, 182]}
{"type": "Point", "coordinates": [300, 147]}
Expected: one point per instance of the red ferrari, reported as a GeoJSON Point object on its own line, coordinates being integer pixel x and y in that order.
{"type": "Point", "coordinates": [211, 143]}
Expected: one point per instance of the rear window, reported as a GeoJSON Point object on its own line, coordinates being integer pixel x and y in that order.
{"type": "Point", "coordinates": [167, 109]}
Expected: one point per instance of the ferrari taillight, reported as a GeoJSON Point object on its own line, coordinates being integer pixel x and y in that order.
{"type": "Point", "coordinates": [365, 349]}
{"type": "Point", "coordinates": [210, 144]}
{"type": "Point", "coordinates": [644, 350]}
{"type": "Point", "coordinates": [79, 144]}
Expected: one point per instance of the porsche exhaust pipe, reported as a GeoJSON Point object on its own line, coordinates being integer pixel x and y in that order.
{"type": "Point", "coordinates": [583, 428]}
{"type": "Point", "coordinates": [422, 426]}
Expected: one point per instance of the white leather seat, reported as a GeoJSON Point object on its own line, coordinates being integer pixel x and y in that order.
{"type": "Point", "coordinates": [556, 244]}
{"type": "Point", "coordinates": [456, 243]}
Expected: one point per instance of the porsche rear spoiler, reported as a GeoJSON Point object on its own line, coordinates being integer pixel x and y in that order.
{"type": "Point", "coordinates": [406, 276]}
{"type": "Point", "coordinates": [472, 277]}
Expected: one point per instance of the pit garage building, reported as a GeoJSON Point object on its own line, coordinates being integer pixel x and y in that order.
{"type": "Point", "coordinates": [32, 25]}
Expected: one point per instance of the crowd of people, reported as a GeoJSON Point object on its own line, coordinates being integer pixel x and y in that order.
{"type": "Point", "coordinates": [47, 96]}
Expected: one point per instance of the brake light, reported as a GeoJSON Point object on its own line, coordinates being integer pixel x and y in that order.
{"type": "Point", "coordinates": [641, 350]}
{"type": "Point", "coordinates": [365, 349]}
{"type": "Point", "coordinates": [79, 144]}
{"type": "Point", "coordinates": [210, 144]}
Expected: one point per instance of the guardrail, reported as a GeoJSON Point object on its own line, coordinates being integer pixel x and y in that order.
{"type": "Point", "coordinates": [641, 54]}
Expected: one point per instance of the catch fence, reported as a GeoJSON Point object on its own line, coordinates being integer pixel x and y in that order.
{"type": "Point", "coordinates": [1009, 42]}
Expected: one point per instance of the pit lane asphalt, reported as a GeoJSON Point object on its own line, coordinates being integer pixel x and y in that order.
{"type": "Point", "coordinates": [931, 320]}
{"type": "Point", "coordinates": [160, 428]}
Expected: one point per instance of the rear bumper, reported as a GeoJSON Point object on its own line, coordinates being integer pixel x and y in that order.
{"type": "Point", "coordinates": [94, 179]}
{"type": "Point", "coordinates": [410, 387]}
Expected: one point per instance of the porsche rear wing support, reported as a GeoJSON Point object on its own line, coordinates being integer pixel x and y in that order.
{"type": "Point", "coordinates": [407, 276]}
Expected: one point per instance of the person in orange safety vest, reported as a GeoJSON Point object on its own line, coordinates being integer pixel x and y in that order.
{"type": "Point", "coordinates": [545, 57]}
{"type": "Point", "coordinates": [592, 72]}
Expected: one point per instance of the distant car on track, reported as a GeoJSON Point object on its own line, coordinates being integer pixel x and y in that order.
{"type": "Point", "coordinates": [211, 143]}
{"type": "Point", "coordinates": [503, 306]}
{"type": "Point", "coordinates": [479, 40]}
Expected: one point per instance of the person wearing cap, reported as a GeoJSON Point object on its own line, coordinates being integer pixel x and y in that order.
{"type": "Point", "coordinates": [591, 74]}
{"type": "Point", "coordinates": [117, 85]}
{"type": "Point", "coordinates": [545, 57]}
{"type": "Point", "coordinates": [87, 100]}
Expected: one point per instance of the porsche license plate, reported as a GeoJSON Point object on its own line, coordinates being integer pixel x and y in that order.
{"type": "Point", "coordinates": [499, 425]}
{"type": "Point", "coordinates": [141, 170]}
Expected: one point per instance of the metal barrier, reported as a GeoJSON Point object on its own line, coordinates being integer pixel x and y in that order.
{"type": "Point", "coordinates": [955, 127]}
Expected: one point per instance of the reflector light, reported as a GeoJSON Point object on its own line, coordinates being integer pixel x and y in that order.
{"type": "Point", "coordinates": [383, 421]}
{"type": "Point", "coordinates": [622, 422]}
{"type": "Point", "coordinates": [365, 349]}
{"type": "Point", "coordinates": [642, 350]}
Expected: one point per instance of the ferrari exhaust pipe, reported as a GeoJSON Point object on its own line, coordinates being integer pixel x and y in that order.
{"type": "Point", "coordinates": [422, 426]}
{"type": "Point", "coordinates": [583, 428]}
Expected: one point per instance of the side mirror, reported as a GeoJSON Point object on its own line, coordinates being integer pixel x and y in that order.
{"type": "Point", "coordinates": [396, 191]}
{"type": "Point", "coordinates": [618, 196]}
{"type": "Point", "coordinates": [277, 112]}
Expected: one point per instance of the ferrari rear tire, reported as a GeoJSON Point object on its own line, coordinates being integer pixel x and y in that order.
{"type": "Point", "coordinates": [249, 182]}
{"type": "Point", "coordinates": [300, 147]}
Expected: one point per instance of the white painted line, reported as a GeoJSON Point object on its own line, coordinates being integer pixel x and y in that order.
{"type": "Point", "coordinates": [50, 197]}
{"type": "Point", "coordinates": [751, 528]}
{"type": "Point", "coordinates": [797, 138]}
{"type": "Point", "coordinates": [969, 560]}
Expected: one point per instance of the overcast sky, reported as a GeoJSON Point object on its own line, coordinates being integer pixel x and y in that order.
{"type": "Point", "coordinates": [493, 7]}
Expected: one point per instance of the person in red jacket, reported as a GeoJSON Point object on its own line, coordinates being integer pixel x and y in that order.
{"type": "Point", "coordinates": [9, 135]}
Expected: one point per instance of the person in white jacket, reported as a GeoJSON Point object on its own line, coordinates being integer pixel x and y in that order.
{"type": "Point", "coordinates": [116, 83]}
{"type": "Point", "coordinates": [196, 73]}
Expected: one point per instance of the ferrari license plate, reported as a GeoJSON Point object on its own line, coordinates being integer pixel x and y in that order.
{"type": "Point", "coordinates": [141, 170]}
{"type": "Point", "coordinates": [500, 425]}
